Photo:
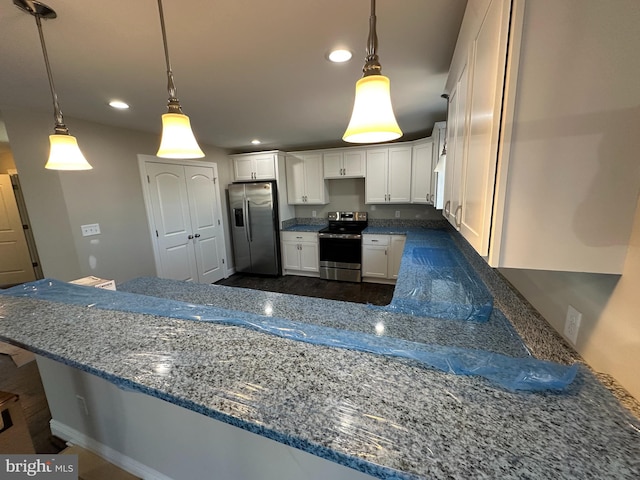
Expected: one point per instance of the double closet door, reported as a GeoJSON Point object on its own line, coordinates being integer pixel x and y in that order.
{"type": "Point", "coordinates": [186, 221]}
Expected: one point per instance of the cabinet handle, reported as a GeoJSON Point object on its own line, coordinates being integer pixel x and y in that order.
{"type": "Point", "coordinates": [197, 235]}
{"type": "Point", "coordinates": [190, 237]}
{"type": "Point", "coordinates": [458, 222]}
{"type": "Point", "coordinates": [374, 240]}
{"type": "Point", "coordinates": [432, 198]}
{"type": "Point", "coordinates": [385, 251]}
{"type": "Point", "coordinates": [299, 238]}
{"type": "Point", "coordinates": [446, 207]}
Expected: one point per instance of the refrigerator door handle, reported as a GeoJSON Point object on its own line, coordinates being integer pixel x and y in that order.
{"type": "Point", "coordinates": [246, 219]}
{"type": "Point", "coordinates": [249, 232]}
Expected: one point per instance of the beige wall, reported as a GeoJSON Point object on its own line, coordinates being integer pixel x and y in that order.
{"type": "Point", "coordinates": [577, 98]}
{"type": "Point", "coordinates": [609, 335]}
{"type": "Point", "coordinates": [110, 195]}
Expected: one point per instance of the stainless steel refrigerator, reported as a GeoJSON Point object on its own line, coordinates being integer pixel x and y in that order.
{"type": "Point", "coordinates": [254, 227]}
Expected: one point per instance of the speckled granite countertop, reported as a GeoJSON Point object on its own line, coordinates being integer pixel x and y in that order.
{"type": "Point", "coordinates": [304, 228]}
{"type": "Point", "coordinates": [383, 416]}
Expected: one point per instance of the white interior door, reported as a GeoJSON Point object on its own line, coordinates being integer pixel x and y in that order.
{"type": "Point", "coordinates": [15, 261]}
{"type": "Point", "coordinates": [172, 221]}
{"type": "Point", "coordinates": [185, 215]}
{"type": "Point", "coordinates": [206, 223]}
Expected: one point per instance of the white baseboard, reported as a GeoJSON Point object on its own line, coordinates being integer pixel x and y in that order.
{"type": "Point", "coordinates": [126, 463]}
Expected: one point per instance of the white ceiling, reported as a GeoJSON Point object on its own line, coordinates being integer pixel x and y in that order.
{"type": "Point", "coordinates": [243, 69]}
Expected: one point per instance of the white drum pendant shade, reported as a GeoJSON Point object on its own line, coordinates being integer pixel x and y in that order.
{"type": "Point", "coordinates": [372, 120]}
{"type": "Point", "coordinates": [178, 140]}
{"type": "Point", "coordinates": [64, 154]}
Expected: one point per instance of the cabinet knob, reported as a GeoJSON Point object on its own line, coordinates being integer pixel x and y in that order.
{"type": "Point", "coordinates": [197, 235]}
{"type": "Point", "coordinates": [190, 237]}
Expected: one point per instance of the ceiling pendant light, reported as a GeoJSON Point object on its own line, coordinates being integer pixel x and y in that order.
{"type": "Point", "coordinates": [177, 140]}
{"type": "Point", "coordinates": [372, 119]}
{"type": "Point", "coordinates": [64, 153]}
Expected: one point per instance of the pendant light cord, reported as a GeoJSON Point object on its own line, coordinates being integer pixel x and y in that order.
{"type": "Point", "coordinates": [173, 104]}
{"type": "Point", "coordinates": [60, 128]}
{"type": "Point", "coordinates": [372, 65]}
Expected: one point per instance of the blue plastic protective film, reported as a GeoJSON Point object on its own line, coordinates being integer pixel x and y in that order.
{"type": "Point", "coordinates": [496, 334]}
{"type": "Point", "coordinates": [437, 281]}
{"type": "Point", "coordinates": [507, 372]}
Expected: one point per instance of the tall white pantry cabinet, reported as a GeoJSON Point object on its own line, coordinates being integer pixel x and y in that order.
{"type": "Point", "coordinates": [527, 180]}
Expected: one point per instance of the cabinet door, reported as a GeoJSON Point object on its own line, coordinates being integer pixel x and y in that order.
{"type": "Point", "coordinates": [421, 172]}
{"type": "Point", "coordinates": [332, 164]}
{"type": "Point", "coordinates": [395, 258]}
{"type": "Point", "coordinates": [399, 176]}
{"type": "Point", "coordinates": [314, 183]}
{"type": "Point", "coordinates": [291, 255]}
{"type": "Point", "coordinates": [374, 261]}
{"type": "Point", "coordinates": [295, 180]}
{"type": "Point", "coordinates": [376, 178]}
{"type": "Point", "coordinates": [485, 96]}
{"type": "Point", "coordinates": [354, 163]}
{"type": "Point", "coordinates": [309, 257]}
{"type": "Point", "coordinates": [242, 169]}
{"type": "Point", "coordinates": [264, 167]}
{"type": "Point", "coordinates": [456, 149]}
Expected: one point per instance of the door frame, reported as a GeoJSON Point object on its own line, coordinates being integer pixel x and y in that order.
{"type": "Point", "coordinates": [142, 161]}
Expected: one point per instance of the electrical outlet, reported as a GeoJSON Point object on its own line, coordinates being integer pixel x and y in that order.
{"type": "Point", "coordinates": [89, 230]}
{"type": "Point", "coordinates": [572, 325]}
{"type": "Point", "coordinates": [313, 213]}
{"type": "Point", "coordinates": [397, 213]}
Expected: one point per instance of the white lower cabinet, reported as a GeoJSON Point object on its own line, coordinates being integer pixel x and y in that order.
{"type": "Point", "coordinates": [381, 256]}
{"type": "Point", "coordinates": [300, 253]}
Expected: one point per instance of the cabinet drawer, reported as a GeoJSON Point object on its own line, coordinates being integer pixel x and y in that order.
{"type": "Point", "coordinates": [375, 239]}
{"type": "Point", "coordinates": [299, 237]}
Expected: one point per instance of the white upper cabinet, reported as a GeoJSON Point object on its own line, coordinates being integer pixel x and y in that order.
{"type": "Point", "coordinates": [487, 64]}
{"type": "Point", "coordinates": [254, 166]}
{"type": "Point", "coordinates": [388, 178]}
{"type": "Point", "coordinates": [547, 181]}
{"type": "Point", "coordinates": [305, 179]}
{"type": "Point", "coordinates": [422, 172]}
{"type": "Point", "coordinates": [456, 148]}
{"type": "Point", "coordinates": [349, 163]}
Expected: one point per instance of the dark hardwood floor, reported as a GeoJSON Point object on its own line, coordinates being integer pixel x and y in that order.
{"type": "Point", "coordinates": [25, 382]}
{"type": "Point", "coordinates": [373, 293]}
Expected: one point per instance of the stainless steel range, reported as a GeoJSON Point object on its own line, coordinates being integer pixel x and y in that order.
{"type": "Point", "coordinates": [341, 246]}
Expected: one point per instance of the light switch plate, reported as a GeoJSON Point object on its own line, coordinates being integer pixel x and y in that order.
{"type": "Point", "coordinates": [89, 230]}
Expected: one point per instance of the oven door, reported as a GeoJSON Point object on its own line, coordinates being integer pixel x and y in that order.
{"type": "Point", "coordinates": [340, 258]}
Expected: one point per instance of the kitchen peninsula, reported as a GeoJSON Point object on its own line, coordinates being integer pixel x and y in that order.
{"type": "Point", "coordinates": [366, 414]}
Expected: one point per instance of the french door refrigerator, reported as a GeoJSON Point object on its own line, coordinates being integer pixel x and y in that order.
{"type": "Point", "coordinates": [254, 227]}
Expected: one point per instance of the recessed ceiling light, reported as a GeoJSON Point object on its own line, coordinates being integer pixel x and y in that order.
{"type": "Point", "coordinates": [118, 104]}
{"type": "Point", "coordinates": [339, 55]}
{"type": "Point", "coordinates": [256, 141]}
